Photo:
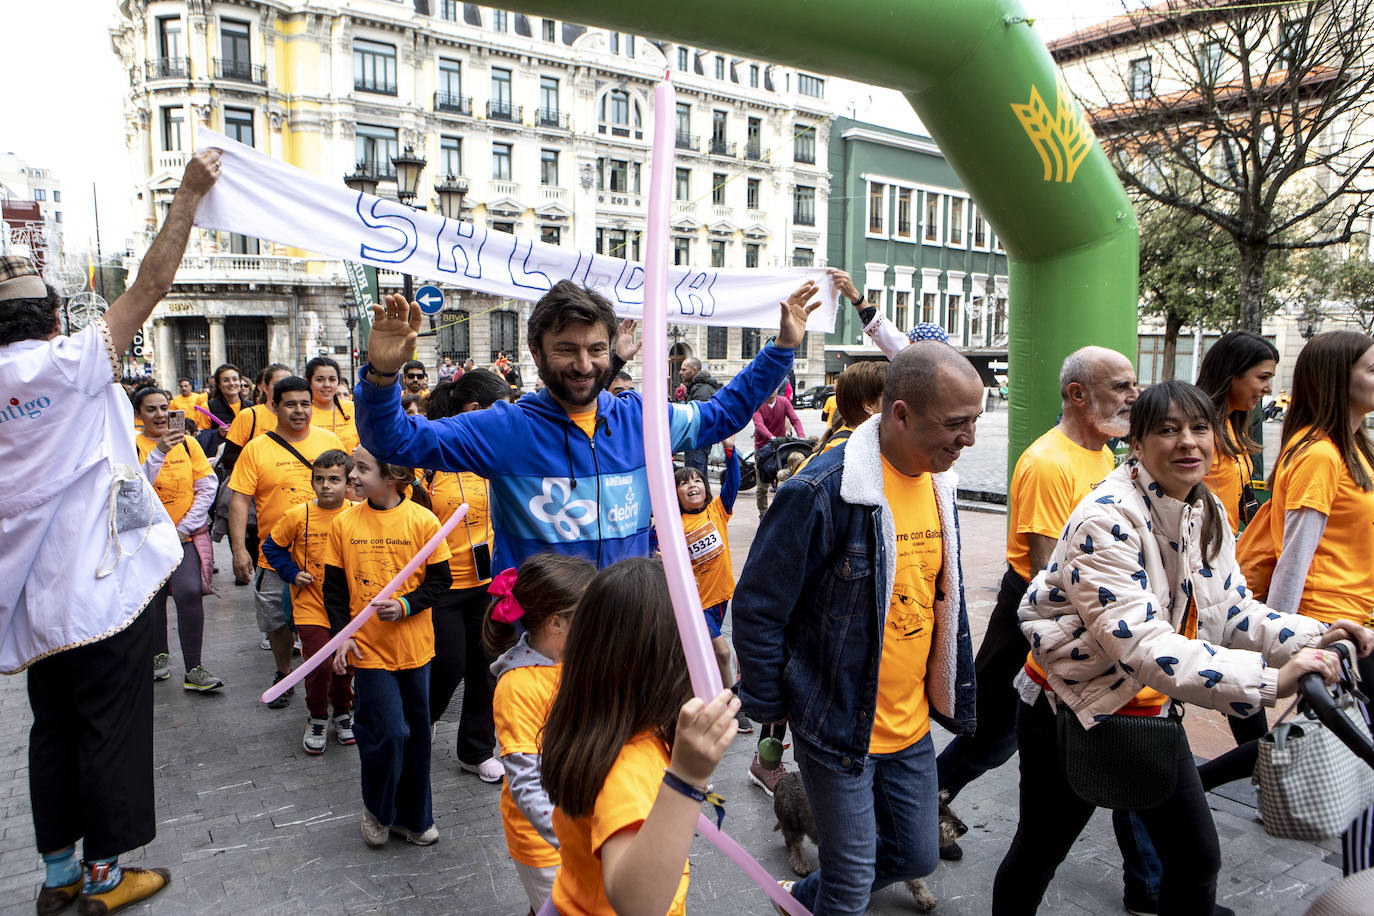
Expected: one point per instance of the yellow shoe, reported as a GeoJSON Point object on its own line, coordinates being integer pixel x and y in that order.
{"type": "Point", "coordinates": [136, 884]}
{"type": "Point", "coordinates": [55, 899]}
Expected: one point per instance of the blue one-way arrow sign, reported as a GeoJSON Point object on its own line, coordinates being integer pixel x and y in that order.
{"type": "Point", "coordinates": [431, 299]}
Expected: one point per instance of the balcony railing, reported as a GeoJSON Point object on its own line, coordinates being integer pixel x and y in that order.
{"type": "Point", "coordinates": [755, 216]}
{"type": "Point", "coordinates": [169, 162]}
{"type": "Point", "coordinates": [241, 71]}
{"type": "Point", "coordinates": [378, 169]}
{"type": "Point", "coordinates": [722, 212]}
{"type": "Point", "coordinates": [753, 151]}
{"type": "Point", "coordinates": [164, 68]}
{"type": "Point", "coordinates": [505, 111]}
{"type": "Point", "coordinates": [500, 188]}
{"type": "Point", "coordinates": [722, 147]}
{"type": "Point", "coordinates": [688, 141]}
{"type": "Point", "coordinates": [552, 194]}
{"type": "Point", "coordinates": [546, 117]}
{"type": "Point", "coordinates": [453, 104]}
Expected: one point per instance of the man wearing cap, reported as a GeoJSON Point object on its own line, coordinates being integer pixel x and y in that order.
{"type": "Point", "coordinates": [86, 545]}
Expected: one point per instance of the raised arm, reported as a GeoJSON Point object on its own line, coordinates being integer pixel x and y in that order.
{"type": "Point", "coordinates": [159, 267]}
{"type": "Point", "coordinates": [729, 484]}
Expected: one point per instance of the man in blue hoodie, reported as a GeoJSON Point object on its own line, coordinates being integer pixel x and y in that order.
{"type": "Point", "coordinates": [566, 464]}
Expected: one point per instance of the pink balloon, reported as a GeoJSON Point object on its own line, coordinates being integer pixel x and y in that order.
{"type": "Point", "coordinates": [682, 585]}
{"type": "Point", "coordinates": [222, 424]}
{"type": "Point", "coordinates": [328, 649]}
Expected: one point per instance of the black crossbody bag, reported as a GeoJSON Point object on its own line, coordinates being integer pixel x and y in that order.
{"type": "Point", "coordinates": [1123, 761]}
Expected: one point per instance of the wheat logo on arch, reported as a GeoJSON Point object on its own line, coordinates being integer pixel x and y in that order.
{"type": "Point", "coordinates": [1063, 138]}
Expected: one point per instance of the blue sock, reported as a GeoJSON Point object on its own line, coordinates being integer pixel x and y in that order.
{"type": "Point", "coordinates": [102, 875]}
{"type": "Point", "coordinates": [62, 867]}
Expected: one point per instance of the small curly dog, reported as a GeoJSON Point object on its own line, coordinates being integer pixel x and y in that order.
{"type": "Point", "coordinates": [793, 812]}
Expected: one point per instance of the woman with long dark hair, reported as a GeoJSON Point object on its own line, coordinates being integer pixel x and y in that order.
{"type": "Point", "coordinates": [331, 412]}
{"type": "Point", "coordinates": [1236, 374]}
{"type": "Point", "coordinates": [1142, 605]}
{"type": "Point", "coordinates": [458, 655]}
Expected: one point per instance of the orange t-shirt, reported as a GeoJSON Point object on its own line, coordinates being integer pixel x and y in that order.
{"type": "Point", "coordinates": [1340, 581]}
{"type": "Point", "coordinates": [447, 492]}
{"type": "Point", "coordinates": [304, 532]}
{"type": "Point", "coordinates": [622, 804]}
{"type": "Point", "coordinates": [1052, 476]}
{"type": "Point", "coordinates": [520, 705]}
{"type": "Point", "coordinates": [251, 423]}
{"type": "Point", "coordinates": [585, 420]}
{"type": "Point", "coordinates": [275, 478]}
{"type": "Point", "coordinates": [709, 547]}
{"type": "Point", "coordinates": [339, 421]}
{"type": "Point", "coordinates": [1227, 479]}
{"type": "Point", "coordinates": [371, 546]}
{"type": "Point", "coordinates": [903, 714]}
{"type": "Point", "coordinates": [176, 479]}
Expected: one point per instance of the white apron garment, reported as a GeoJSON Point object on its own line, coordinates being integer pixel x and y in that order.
{"type": "Point", "coordinates": [84, 541]}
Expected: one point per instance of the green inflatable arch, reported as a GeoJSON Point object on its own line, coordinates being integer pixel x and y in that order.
{"type": "Point", "coordinates": [985, 87]}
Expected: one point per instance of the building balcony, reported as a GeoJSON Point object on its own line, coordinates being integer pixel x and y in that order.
{"type": "Point", "coordinates": [505, 111]}
{"type": "Point", "coordinates": [753, 151]}
{"type": "Point", "coordinates": [241, 71]}
{"type": "Point", "coordinates": [684, 207]}
{"type": "Point", "coordinates": [174, 161]}
{"type": "Point", "coordinates": [757, 217]}
{"type": "Point", "coordinates": [545, 117]}
{"type": "Point", "coordinates": [722, 212]}
{"type": "Point", "coordinates": [453, 104]}
{"type": "Point", "coordinates": [166, 68]}
{"type": "Point", "coordinates": [552, 194]}
{"type": "Point", "coordinates": [247, 268]}
{"type": "Point", "coordinates": [689, 142]}
{"type": "Point", "coordinates": [497, 187]}
{"type": "Point", "coordinates": [722, 147]}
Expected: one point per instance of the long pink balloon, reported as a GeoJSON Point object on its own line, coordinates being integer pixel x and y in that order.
{"type": "Point", "coordinates": [221, 423]}
{"type": "Point", "coordinates": [328, 649]}
{"type": "Point", "coordinates": [691, 625]}
{"type": "Point", "coordinates": [701, 660]}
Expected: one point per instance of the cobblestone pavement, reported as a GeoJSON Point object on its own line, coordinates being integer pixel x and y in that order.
{"type": "Point", "coordinates": [249, 823]}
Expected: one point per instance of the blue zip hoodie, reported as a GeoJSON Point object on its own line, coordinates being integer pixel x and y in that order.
{"type": "Point", "coordinates": [553, 488]}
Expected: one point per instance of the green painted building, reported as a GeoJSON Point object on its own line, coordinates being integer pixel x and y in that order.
{"type": "Point", "coordinates": [903, 226]}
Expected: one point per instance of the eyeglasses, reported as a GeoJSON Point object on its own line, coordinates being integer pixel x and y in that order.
{"type": "Point", "coordinates": [415, 375]}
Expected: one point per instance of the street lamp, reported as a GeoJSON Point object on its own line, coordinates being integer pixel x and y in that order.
{"type": "Point", "coordinates": [362, 180]}
{"type": "Point", "coordinates": [451, 192]}
{"type": "Point", "coordinates": [408, 168]}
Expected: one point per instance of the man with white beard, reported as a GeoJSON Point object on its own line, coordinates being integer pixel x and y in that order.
{"type": "Point", "coordinates": [1097, 387]}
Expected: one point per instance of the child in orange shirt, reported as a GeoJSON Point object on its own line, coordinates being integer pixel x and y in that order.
{"type": "Point", "coordinates": [296, 547]}
{"type": "Point", "coordinates": [704, 521]}
{"type": "Point", "coordinates": [628, 750]}
{"type": "Point", "coordinates": [368, 545]}
{"type": "Point", "coordinates": [542, 598]}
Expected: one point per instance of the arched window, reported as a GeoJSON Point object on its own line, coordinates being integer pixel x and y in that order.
{"type": "Point", "coordinates": [620, 115]}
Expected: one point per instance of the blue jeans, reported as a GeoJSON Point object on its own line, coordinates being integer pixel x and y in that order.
{"type": "Point", "coordinates": [875, 829]}
{"type": "Point", "coordinates": [391, 723]}
{"type": "Point", "coordinates": [1140, 865]}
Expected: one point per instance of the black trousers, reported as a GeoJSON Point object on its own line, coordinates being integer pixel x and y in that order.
{"type": "Point", "coordinates": [91, 745]}
{"type": "Point", "coordinates": [458, 658]}
{"type": "Point", "coordinates": [1000, 656]}
{"type": "Point", "coordinates": [1052, 817]}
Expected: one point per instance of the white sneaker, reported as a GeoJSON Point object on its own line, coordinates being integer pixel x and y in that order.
{"type": "Point", "coordinates": [489, 770]}
{"type": "Point", "coordinates": [316, 736]}
{"type": "Point", "coordinates": [428, 838]}
{"type": "Point", "coordinates": [266, 643]}
{"type": "Point", "coordinates": [343, 728]}
{"type": "Point", "coordinates": [374, 834]}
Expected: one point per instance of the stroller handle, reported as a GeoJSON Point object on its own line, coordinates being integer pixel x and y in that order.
{"type": "Point", "coordinates": [1319, 699]}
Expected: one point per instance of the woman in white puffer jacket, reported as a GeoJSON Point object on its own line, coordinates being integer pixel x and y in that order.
{"type": "Point", "coordinates": [1141, 602]}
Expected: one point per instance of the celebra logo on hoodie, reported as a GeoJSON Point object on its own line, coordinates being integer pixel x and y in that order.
{"type": "Point", "coordinates": [17, 410]}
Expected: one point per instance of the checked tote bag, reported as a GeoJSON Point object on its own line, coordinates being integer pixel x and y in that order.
{"type": "Point", "coordinates": [1311, 786]}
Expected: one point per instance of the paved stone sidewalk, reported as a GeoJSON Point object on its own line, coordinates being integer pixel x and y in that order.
{"type": "Point", "coordinates": [250, 824]}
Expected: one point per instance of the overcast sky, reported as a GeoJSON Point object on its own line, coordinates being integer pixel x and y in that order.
{"type": "Point", "coordinates": [64, 91]}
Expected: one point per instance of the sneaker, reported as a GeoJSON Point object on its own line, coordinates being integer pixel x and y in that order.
{"type": "Point", "coordinates": [135, 884]}
{"type": "Point", "coordinates": [266, 643]}
{"type": "Point", "coordinates": [162, 666]}
{"type": "Point", "coordinates": [55, 899]}
{"type": "Point", "coordinates": [316, 735]}
{"type": "Point", "coordinates": [745, 726]}
{"type": "Point", "coordinates": [428, 838]}
{"type": "Point", "coordinates": [763, 777]}
{"type": "Point", "coordinates": [284, 700]}
{"type": "Point", "coordinates": [343, 728]}
{"type": "Point", "coordinates": [200, 679]}
{"type": "Point", "coordinates": [374, 834]}
{"type": "Point", "coordinates": [786, 889]}
{"type": "Point", "coordinates": [296, 646]}
{"type": "Point", "coordinates": [489, 770]}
